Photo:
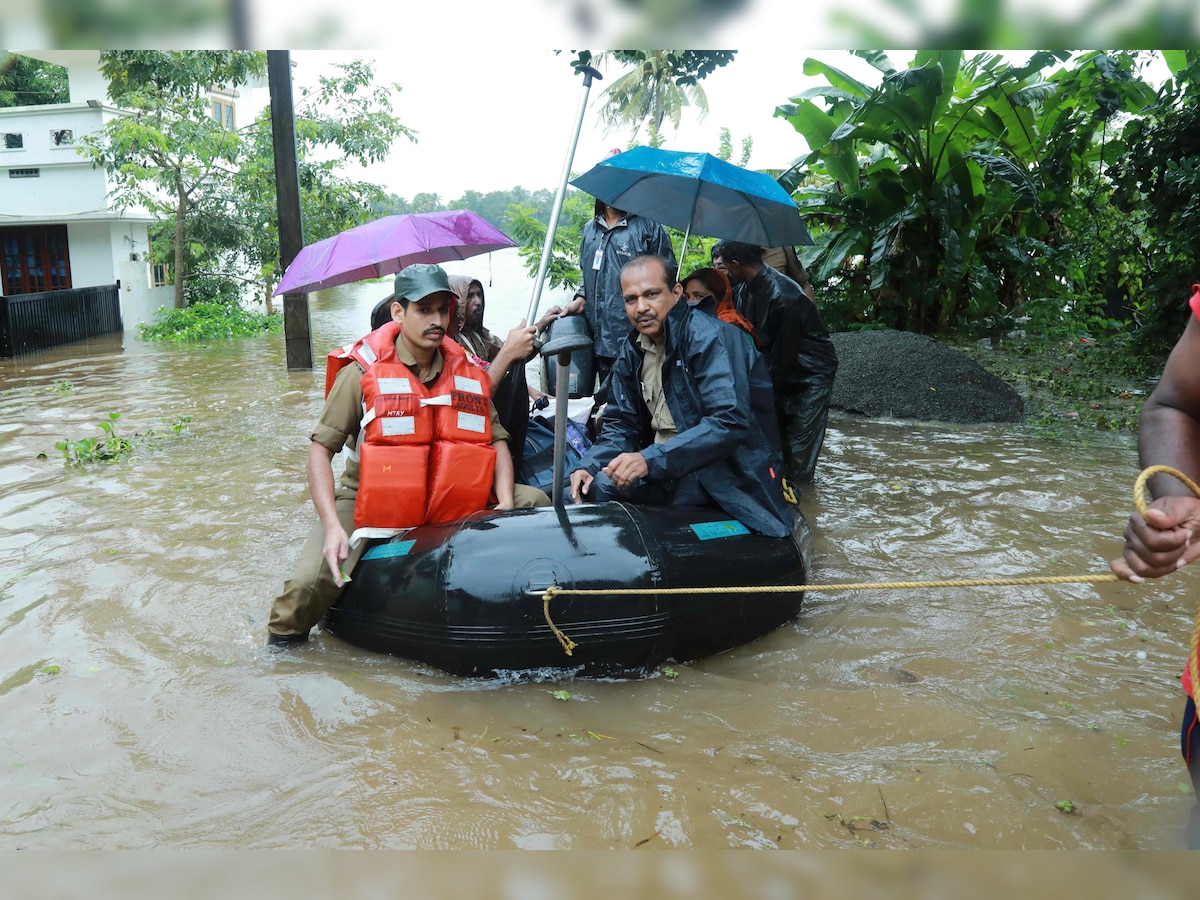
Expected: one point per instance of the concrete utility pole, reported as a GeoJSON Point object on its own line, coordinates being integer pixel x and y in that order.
{"type": "Point", "coordinates": [296, 327]}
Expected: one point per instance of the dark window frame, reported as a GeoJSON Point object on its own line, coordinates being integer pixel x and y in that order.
{"type": "Point", "coordinates": [34, 258]}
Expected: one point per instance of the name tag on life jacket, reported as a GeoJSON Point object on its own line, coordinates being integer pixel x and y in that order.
{"type": "Point", "coordinates": [394, 425]}
{"type": "Point", "coordinates": [471, 422]}
{"type": "Point", "coordinates": [395, 386]}
{"type": "Point", "coordinates": [597, 259]}
{"type": "Point", "coordinates": [472, 385]}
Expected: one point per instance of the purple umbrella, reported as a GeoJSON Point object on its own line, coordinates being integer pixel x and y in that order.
{"type": "Point", "coordinates": [389, 244]}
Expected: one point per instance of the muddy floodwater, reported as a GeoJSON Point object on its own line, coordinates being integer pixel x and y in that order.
{"type": "Point", "coordinates": [138, 707]}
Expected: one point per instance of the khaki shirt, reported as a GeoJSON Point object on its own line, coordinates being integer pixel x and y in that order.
{"type": "Point", "coordinates": [652, 391]}
{"type": "Point", "coordinates": [343, 412]}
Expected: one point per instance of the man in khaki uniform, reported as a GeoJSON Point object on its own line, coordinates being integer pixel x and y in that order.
{"type": "Point", "coordinates": [422, 305]}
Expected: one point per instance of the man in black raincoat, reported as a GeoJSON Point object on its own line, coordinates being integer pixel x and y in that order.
{"type": "Point", "coordinates": [800, 355]}
{"type": "Point", "coordinates": [610, 240]}
{"type": "Point", "coordinates": [682, 424]}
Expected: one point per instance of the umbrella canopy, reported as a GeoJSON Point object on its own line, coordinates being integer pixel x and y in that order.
{"type": "Point", "coordinates": [697, 193]}
{"type": "Point", "coordinates": [389, 244]}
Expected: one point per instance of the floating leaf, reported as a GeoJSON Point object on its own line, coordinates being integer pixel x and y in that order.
{"type": "Point", "coordinates": [49, 670]}
{"type": "Point", "coordinates": [562, 695]}
{"type": "Point", "coordinates": [668, 672]}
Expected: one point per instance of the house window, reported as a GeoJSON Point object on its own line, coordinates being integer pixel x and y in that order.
{"type": "Point", "coordinates": [24, 173]}
{"type": "Point", "coordinates": [160, 275]}
{"type": "Point", "coordinates": [34, 259]}
{"type": "Point", "coordinates": [222, 113]}
{"type": "Point", "coordinates": [13, 140]}
{"type": "Point", "coordinates": [62, 137]}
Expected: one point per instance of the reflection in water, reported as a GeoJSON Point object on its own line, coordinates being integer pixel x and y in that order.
{"type": "Point", "coordinates": [950, 718]}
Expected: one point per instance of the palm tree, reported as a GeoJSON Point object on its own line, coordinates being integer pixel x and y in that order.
{"type": "Point", "coordinates": [649, 93]}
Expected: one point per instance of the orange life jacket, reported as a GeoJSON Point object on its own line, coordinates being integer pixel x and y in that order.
{"type": "Point", "coordinates": [425, 453]}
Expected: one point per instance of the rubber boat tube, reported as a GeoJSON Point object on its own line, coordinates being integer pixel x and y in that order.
{"type": "Point", "coordinates": [460, 597]}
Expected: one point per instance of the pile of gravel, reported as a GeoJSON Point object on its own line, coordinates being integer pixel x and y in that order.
{"type": "Point", "coordinates": [909, 376]}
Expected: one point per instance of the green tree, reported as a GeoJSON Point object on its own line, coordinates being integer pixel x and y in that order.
{"type": "Point", "coordinates": [169, 147]}
{"type": "Point", "coordinates": [1157, 194]}
{"type": "Point", "coordinates": [725, 147]}
{"type": "Point", "coordinates": [530, 232]}
{"type": "Point", "coordinates": [347, 117]}
{"type": "Point", "coordinates": [221, 184]}
{"type": "Point", "coordinates": [25, 81]}
{"type": "Point", "coordinates": [934, 195]}
{"type": "Point", "coordinates": [657, 88]}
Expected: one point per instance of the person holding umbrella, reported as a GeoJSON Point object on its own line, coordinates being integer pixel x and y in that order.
{"type": "Point", "coordinates": [610, 240]}
{"type": "Point", "coordinates": [800, 355]}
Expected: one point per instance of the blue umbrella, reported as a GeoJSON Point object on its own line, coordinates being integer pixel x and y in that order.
{"type": "Point", "coordinates": [697, 193]}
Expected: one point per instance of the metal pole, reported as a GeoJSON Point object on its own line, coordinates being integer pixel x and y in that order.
{"type": "Point", "coordinates": [297, 333]}
{"type": "Point", "coordinates": [588, 74]}
{"type": "Point", "coordinates": [683, 251]}
{"type": "Point", "coordinates": [562, 391]}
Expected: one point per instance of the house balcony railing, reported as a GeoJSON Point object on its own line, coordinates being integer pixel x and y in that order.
{"type": "Point", "coordinates": [30, 322]}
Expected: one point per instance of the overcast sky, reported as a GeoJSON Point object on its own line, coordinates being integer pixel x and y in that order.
{"type": "Point", "coordinates": [507, 120]}
{"type": "Point", "coordinates": [493, 121]}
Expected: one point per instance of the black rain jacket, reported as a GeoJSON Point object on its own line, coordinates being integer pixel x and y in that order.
{"type": "Point", "coordinates": [719, 393]}
{"type": "Point", "coordinates": [797, 345]}
{"type": "Point", "coordinates": [604, 306]}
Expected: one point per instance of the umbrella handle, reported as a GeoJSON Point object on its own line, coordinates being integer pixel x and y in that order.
{"type": "Point", "coordinates": [589, 74]}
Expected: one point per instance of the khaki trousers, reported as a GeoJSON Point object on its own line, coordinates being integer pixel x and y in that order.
{"type": "Point", "coordinates": [310, 590]}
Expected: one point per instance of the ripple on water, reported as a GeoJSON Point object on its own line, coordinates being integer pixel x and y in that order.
{"type": "Point", "coordinates": [923, 710]}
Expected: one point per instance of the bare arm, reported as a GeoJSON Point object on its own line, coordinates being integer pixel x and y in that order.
{"type": "Point", "coordinates": [319, 471]}
{"type": "Point", "coordinates": [1169, 427]}
{"type": "Point", "coordinates": [504, 478]}
{"type": "Point", "coordinates": [1168, 434]}
{"type": "Point", "coordinates": [518, 346]}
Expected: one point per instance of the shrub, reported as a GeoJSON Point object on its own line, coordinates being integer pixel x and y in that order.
{"type": "Point", "coordinates": [209, 321]}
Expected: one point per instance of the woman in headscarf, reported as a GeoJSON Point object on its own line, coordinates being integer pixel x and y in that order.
{"type": "Point", "coordinates": [472, 336]}
{"type": "Point", "coordinates": [503, 360]}
{"type": "Point", "coordinates": [708, 290]}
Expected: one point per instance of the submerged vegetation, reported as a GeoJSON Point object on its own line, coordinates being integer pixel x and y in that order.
{"type": "Point", "coordinates": [112, 447]}
{"type": "Point", "coordinates": [209, 321]}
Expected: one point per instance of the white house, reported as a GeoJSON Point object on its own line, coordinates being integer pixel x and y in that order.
{"type": "Point", "coordinates": [59, 228]}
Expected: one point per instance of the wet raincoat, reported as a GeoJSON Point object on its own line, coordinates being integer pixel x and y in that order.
{"type": "Point", "coordinates": [718, 391]}
{"type": "Point", "coordinates": [801, 359]}
{"type": "Point", "coordinates": [602, 253]}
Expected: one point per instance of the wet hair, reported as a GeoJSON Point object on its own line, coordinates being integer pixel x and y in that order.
{"type": "Point", "coordinates": [669, 270]}
{"type": "Point", "coordinates": [737, 252]}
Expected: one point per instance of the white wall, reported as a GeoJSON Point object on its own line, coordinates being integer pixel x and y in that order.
{"type": "Point", "coordinates": [90, 247]}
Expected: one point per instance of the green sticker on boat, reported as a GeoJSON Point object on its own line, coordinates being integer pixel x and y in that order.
{"type": "Point", "coordinates": [392, 548]}
{"type": "Point", "coordinates": [707, 531]}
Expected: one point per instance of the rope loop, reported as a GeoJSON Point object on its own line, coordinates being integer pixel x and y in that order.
{"type": "Point", "coordinates": [1140, 492]}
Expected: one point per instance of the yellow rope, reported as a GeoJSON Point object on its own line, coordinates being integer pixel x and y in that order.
{"type": "Point", "coordinates": [1139, 500]}
{"type": "Point", "coordinates": [568, 645]}
{"type": "Point", "coordinates": [1140, 492]}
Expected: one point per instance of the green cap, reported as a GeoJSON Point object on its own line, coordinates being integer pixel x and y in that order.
{"type": "Point", "coordinates": [419, 280]}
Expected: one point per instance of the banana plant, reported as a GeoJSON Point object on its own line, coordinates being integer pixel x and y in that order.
{"type": "Point", "coordinates": [931, 195]}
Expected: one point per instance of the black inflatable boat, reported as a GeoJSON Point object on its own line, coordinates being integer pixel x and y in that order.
{"type": "Point", "coordinates": [466, 598]}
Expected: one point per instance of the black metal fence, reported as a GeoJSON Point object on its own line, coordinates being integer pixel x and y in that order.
{"type": "Point", "coordinates": [30, 322]}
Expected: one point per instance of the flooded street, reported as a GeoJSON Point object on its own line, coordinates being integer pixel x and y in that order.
{"type": "Point", "coordinates": [951, 718]}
